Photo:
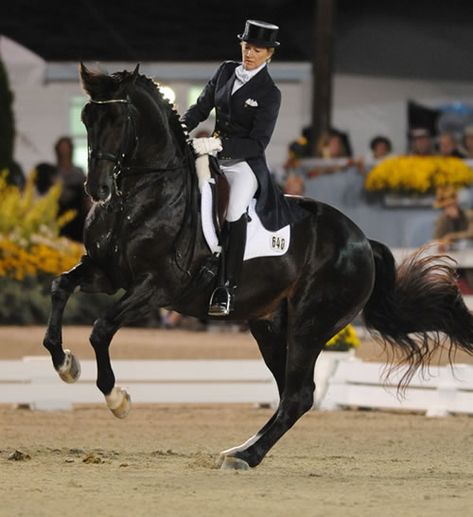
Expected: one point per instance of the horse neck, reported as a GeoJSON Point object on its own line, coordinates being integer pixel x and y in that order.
{"type": "Point", "coordinates": [174, 191]}
{"type": "Point", "coordinates": [157, 145]}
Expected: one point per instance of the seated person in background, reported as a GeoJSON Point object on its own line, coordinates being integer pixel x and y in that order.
{"type": "Point", "coordinates": [333, 145]}
{"type": "Point", "coordinates": [294, 185]}
{"type": "Point", "coordinates": [468, 142]}
{"type": "Point", "coordinates": [380, 147]}
{"type": "Point", "coordinates": [420, 142]}
{"type": "Point", "coordinates": [303, 146]}
{"type": "Point", "coordinates": [448, 146]}
{"type": "Point", "coordinates": [46, 176]}
{"type": "Point", "coordinates": [73, 196]}
{"type": "Point", "coordinates": [454, 224]}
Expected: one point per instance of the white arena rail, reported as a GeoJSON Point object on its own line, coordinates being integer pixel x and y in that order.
{"type": "Point", "coordinates": [32, 381]}
{"type": "Point", "coordinates": [361, 384]}
{"type": "Point", "coordinates": [342, 381]}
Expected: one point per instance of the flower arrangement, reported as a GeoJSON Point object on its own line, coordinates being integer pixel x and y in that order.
{"type": "Point", "coordinates": [29, 233]}
{"type": "Point", "coordinates": [345, 340]}
{"type": "Point", "coordinates": [418, 174]}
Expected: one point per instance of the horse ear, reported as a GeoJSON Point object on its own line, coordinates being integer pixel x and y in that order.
{"type": "Point", "coordinates": [85, 76]}
{"type": "Point", "coordinates": [97, 85]}
{"type": "Point", "coordinates": [83, 70]}
{"type": "Point", "coordinates": [136, 72]}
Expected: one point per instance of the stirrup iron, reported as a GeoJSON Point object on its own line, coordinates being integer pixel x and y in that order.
{"type": "Point", "coordinates": [220, 302]}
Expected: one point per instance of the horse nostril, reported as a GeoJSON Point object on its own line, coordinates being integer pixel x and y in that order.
{"type": "Point", "coordinates": [104, 191]}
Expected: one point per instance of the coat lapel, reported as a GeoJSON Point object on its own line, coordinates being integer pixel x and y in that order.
{"type": "Point", "coordinates": [224, 94]}
{"type": "Point", "coordinates": [258, 80]}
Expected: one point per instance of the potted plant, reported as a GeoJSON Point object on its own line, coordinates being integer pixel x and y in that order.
{"type": "Point", "coordinates": [342, 346]}
{"type": "Point", "coordinates": [412, 180]}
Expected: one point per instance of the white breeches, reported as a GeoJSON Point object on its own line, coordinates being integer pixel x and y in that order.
{"type": "Point", "coordinates": [243, 187]}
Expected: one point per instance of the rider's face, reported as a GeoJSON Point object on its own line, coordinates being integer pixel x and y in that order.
{"type": "Point", "coordinates": [252, 57]}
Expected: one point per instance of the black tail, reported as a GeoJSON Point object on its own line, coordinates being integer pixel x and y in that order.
{"type": "Point", "coordinates": [417, 308]}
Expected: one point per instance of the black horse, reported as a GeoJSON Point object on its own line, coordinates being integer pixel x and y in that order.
{"type": "Point", "coordinates": [143, 235]}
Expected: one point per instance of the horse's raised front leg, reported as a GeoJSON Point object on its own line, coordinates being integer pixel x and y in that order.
{"type": "Point", "coordinates": [134, 304]}
{"type": "Point", "coordinates": [84, 274]}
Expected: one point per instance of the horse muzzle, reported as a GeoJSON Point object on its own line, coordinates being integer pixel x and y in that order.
{"type": "Point", "coordinates": [98, 192]}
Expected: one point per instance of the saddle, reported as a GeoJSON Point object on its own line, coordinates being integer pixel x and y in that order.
{"type": "Point", "coordinates": [208, 169]}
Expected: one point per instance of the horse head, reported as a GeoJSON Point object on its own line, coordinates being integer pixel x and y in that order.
{"type": "Point", "coordinates": [129, 125]}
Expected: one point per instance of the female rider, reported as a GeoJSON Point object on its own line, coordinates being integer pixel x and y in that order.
{"type": "Point", "coordinates": [246, 102]}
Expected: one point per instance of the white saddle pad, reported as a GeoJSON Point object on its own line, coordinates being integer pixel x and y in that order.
{"type": "Point", "coordinates": [259, 241]}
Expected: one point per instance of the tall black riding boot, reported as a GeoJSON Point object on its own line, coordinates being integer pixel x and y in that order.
{"type": "Point", "coordinates": [222, 299]}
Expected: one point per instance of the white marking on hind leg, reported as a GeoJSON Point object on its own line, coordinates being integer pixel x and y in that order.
{"type": "Point", "coordinates": [222, 458]}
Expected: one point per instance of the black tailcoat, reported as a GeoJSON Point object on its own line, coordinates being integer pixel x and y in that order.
{"type": "Point", "coordinates": [245, 122]}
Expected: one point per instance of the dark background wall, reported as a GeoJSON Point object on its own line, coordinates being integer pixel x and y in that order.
{"type": "Point", "coordinates": [418, 38]}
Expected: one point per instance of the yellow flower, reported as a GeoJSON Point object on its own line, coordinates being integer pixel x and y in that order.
{"type": "Point", "coordinates": [346, 338]}
{"type": "Point", "coordinates": [29, 233]}
{"type": "Point", "coordinates": [418, 174]}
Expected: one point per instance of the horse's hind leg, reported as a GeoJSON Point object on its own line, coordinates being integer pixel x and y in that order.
{"type": "Point", "coordinates": [270, 335]}
{"type": "Point", "coordinates": [306, 337]}
{"type": "Point", "coordinates": [133, 304]}
{"type": "Point", "coordinates": [85, 273]}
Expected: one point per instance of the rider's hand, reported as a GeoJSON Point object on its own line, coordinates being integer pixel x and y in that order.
{"type": "Point", "coordinates": [206, 145]}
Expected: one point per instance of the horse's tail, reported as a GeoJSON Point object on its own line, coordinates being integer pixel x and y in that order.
{"type": "Point", "coordinates": [417, 308]}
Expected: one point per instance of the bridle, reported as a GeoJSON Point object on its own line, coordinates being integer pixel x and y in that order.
{"type": "Point", "coordinates": [126, 150]}
{"type": "Point", "coordinates": [125, 154]}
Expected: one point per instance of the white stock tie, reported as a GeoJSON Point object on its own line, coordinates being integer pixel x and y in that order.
{"type": "Point", "coordinates": [242, 75]}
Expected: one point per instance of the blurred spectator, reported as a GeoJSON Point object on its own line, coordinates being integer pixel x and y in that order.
{"type": "Point", "coordinates": [73, 196]}
{"type": "Point", "coordinates": [454, 230]}
{"type": "Point", "coordinates": [303, 146]}
{"type": "Point", "coordinates": [380, 147]}
{"type": "Point", "coordinates": [420, 142]}
{"type": "Point", "coordinates": [16, 176]}
{"type": "Point", "coordinates": [333, 144]}
{"type": "Point", "coordinates": [171, 319]}
{"type": "Point", "coordinates": [454, 224]}
{"type": "Point", "coordinates": [468, 142]}
{"type": "Point", "coordinates": [448, 145]}
{"type": "Point", "coordinates": [46, 176]}
{"type": "Point", "coordinates": [294, 185]}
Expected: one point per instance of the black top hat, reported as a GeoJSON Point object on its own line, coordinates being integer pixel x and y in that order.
{"type": "Point", "coordinates": [261, 34]}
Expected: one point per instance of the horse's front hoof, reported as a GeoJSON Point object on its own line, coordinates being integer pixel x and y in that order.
{"type": "Point", "coordinates": [232, 463]}
{"type": "Point", "coordinates": [69, 371]}
{"type": "Point", "coordinates": [119, 402]}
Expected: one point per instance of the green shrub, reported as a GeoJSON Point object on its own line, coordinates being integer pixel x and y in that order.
{"type": "Point", "coordinates": [28, 302]}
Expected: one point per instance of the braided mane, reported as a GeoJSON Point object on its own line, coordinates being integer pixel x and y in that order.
{"type": "Point", "coordinates": [101, 86]}
{"type": "Point", "coordinates": [153, 88]}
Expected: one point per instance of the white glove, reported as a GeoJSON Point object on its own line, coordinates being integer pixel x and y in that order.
{"type": "Point", "coordinates": [206, 145]}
